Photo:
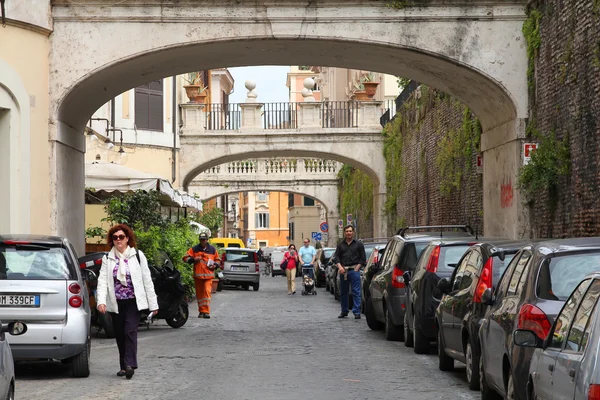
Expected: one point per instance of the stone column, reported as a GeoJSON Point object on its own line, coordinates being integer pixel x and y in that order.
{"type": "Point", "coordinates": [369, 114]}
{"type": "Point", "coordinates": [251, 110]}
{"type": "Point", "coordinates": [193, 119]}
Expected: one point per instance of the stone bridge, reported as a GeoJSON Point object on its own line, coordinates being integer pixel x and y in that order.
{"type": "Point", "coordinates": [474, 51]}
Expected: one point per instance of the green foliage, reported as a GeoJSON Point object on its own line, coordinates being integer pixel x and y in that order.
{"type": "Point", "coordinates": [356, 193]}
{"type": "Point", "coordinates": [531, 31]}
{"type": "Point", "coordinates": [96, 232]}
{"type": "Point", "coordinates": [402, 82]}
{"type": "Point", "coordinates": [548, 164]}
{"type": "Point", "coordinates": [212, 218]}
{"type": "Point", "coordinates": [137, 207]}
{"type": "Point", "coordinates": [455, 152]}
{"type": "Point", "coordinates": [399, 4]}
{"type": "Point", "coordinates": [393, 144]}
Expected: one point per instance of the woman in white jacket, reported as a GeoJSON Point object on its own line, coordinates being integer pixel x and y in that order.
{"type": "Point", "coordinates": [124, 289]}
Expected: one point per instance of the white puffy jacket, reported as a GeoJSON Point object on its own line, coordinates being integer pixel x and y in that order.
{"type": "Point", "coordinates": [145, 297]}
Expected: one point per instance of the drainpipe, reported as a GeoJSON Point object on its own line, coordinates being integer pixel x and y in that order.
{"type": "Point", "coordinates": [112, 115]}
{"type": "Point", "coordinates": [174, 121]}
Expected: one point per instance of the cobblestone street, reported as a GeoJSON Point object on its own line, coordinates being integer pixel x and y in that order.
{"type": "Point", "coordinates": [258, 345]}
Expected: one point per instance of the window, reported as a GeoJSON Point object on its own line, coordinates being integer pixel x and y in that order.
{"type": "Point", "coordinates": [262, 196]}
{"type": "Point", "coordinates": [262, 220]}
{"type": "Point", "coordinates": [291, 231]}
{"type": "Point", "coordinates": [580, 330]}
{"type": "Point", "coordinates": [559, 275]}
{"type": "Point", "coordinates": [514, 288]}
{"type": "Point", "coordinates": [290, 200]}
{"type": "Point", "coordinates": [23, 262]}
{"type": "Point", "coordinates": [149, 106]}
{"type": "Point", "coordinates": [460, 272]}
{"type": "Point", "coordinates": [563, 321]}
{"type": "Point", "coordinates": [308, 201]}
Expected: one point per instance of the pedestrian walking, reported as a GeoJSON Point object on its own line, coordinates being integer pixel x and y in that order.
{"type": "Point", "coordinates": [308, 255]}
{"type": "Point", "coordinates": [124, 289]}
{"type": "Point", "coordinates": [349, 257]}
{"type": "Point", "coordinates": [205, 258]}
{"type": "Point", "coordinates": [290, 270]}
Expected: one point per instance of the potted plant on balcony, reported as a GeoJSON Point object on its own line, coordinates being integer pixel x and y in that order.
{"type": "Point", "coordinates": [368, 82]}
{"type": "Point", "coordinates": [359, 92]}
{"type": "Point", "coordinates": [196, 91]}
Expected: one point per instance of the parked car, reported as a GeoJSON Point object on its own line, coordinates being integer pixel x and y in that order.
{"type": "Point", "coordinates": [564, 366]}
{"type": "Point", "coordinates": [7, 372]}
{"type": "Point", "coordinates": [276, 259]}
{"type": "Point", "coordinates": [459, 315]}
{"type": "Point", "coordinates": [530, 294]}
{"type": "Point", "coordinates": [93, 262]}
{"type": "Point", "coordinates": [373, 267]}
{"type": "Point", "coordinates": [240, 267]}
{"type": "Point", "coordinates": [41, 284]}
{"type": "Point", "coordinates": [437, 261]}
{"type": "Point", "coordinates": [385, 304]}
{"type": "Point", "coordinates": [324, 255]}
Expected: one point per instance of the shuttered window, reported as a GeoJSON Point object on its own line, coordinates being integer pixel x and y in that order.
{"type": "Point", "coordinates": [262, 220]}
{"type": "Point", "coordinates": [149, 106]}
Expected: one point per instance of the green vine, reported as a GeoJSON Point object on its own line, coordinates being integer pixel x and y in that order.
{"type": "Point", "coordinates": [531, 31]}
{"type": "Point", "coordinates": [550, 162]}
{"type": "Point", "coordinates": [393, 144]}
{"type": "Point", "coordinates": [399, 4]}
{"type": "Point", "coordinates": [455, 152]}
{"type": "Point", "coordinates": [356, 195]}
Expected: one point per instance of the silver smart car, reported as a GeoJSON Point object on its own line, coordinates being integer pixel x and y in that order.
{"type": "Point", "coordinates": [241, 267]}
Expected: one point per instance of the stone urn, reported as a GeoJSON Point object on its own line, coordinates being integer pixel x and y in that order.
{"type": "Point", "coordinates": [196, 93]}
{"type": "Point", "coordinates": [370, 88]}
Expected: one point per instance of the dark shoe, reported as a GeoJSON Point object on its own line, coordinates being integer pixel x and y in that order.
{"type": "Point", "coordinates": [343, 315]}
{"type": "Point", "coordinates": [293, 292]}
{"type": "Point", "coordinates": [206, 316]}
{"type": "Point", "coordinates": [201, 315]}
{"type": "Point", "coordinates": [121, 373]}
{"type": "Point", "coordinates": [129, 372]}
{"type": "Point", "coordinates": [356, 316]}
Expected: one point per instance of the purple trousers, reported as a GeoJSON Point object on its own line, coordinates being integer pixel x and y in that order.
{"type": "Point", "coordinates": [126, 327]}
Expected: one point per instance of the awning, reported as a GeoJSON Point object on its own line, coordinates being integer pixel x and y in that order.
{"type": "Point", "coordinates": [108, 177]}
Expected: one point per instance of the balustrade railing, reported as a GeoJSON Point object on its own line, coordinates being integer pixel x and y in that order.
{"type": "Point", "coordinates": [242, 167]}
{"type": "Point", "coordinates": [223, 116]}
{"type": "Point", "coordinates": [275, 166]}
{"type": "Point", "coordinates": [280, 166]}
{"type": "Point", "coordinates": [339, 114]}
{"type": "Point", "coordinates": [318, 165]}
{"type": "Point", "coordinates": [280, 115]}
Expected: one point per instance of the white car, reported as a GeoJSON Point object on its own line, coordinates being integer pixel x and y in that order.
{"type": "Point", "coordinates": [7, 372]}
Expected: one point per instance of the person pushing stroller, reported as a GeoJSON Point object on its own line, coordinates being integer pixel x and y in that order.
{"type": "Point", "coordinates": [308, 255]}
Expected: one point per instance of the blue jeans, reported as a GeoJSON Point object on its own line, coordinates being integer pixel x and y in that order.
{"type": "Point", "coordinates": [354, 280]}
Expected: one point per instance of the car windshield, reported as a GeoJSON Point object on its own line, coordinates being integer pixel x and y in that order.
{"type": "Point", "coordinates": [240, 255]}
{"type": "Point", "coordinates": [558, 276]}
{"type": "Point", "coordinates": [34, 262]}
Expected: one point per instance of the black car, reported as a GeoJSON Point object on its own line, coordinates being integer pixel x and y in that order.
{"type": "Point", "coordinates": [323, 257]}
{"type": "Point", "coordinates": [438, 261]}
{"type": "Point", "coordinates": [370, 245]}
{"type": "Point", "coordinates": [458, 317]}
{"type": "Point", "coordinates": [385, 302]}
{"type": "Point", "coordinates": [532, 291]}
{"type": "Point", "coordinates": [373, 267]}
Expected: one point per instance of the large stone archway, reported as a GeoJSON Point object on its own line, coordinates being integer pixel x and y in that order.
{"type": "Point", "coordinates": [474, 53]}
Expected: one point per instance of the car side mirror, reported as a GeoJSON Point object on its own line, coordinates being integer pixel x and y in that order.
{"type": "Point", "coordinates": [487, 297]}
{"type": "Point", "coordinates": [444, 285]}
{"type": "Point", "coordinates": [15, 328]}
{"type": "Point", "coordinates": [526, 338]}
{"type": "Point", "coordinates": [407, 275]}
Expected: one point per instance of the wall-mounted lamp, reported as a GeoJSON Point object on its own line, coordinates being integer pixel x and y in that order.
{"type": "Point", "coordinates": [122, 154]}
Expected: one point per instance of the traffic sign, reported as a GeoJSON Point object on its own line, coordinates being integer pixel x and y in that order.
{"type": "Point", "coordinates": [340, 223]}
{"type": "Point", "coordinates": [348, 218]}
{"type": "Point", "coordinates": [316, 235]}
{"type": "Point", "coordinates": [324, 227]}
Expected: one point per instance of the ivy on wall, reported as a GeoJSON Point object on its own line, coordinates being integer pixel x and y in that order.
{"type": "Point", "coordinates": [356, 196]}
{"type": "Point", "coordinates": [393, 144]}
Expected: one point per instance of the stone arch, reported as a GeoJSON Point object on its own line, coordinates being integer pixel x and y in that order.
{"type": "Point", "coordinates": [15, 192]}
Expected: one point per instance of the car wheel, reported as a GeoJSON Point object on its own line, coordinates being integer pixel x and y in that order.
{"type": "Point", "coordinates": [80, 364]}
{"type": "Point", "coordinates": [487, 393]}
{"type": "Point", "coordinates": [180, 318]}
{"type": "Point", "coordinates": [422, 343]}
{"type": "Point", "coordinates": [510, 387]}
{"type": "Point", "coordinates": [445, 362]}
{"type": "Point", "coordinates": [372, 323]}
{"type": "Point", "coordinates": [472, 366]}
{"type": "Point", "coordinates": [408, 335]}
{"type": "Point", "coordinates": [392, 332]}
{"type": "Point", "coordinates": [255, 287]}
{"type": "Point", "coordinates": [11, 392]}
{"type": "Point", "coordinates": [106, 322]}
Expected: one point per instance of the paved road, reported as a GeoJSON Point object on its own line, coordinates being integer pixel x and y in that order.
{"type": "Point", "coordinates": [258, 345]}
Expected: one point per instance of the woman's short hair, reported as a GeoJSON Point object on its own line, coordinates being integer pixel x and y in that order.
{"type": "Point", "coordinates": [126, 230]}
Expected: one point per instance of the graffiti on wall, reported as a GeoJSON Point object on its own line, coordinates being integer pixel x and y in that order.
{"type": "Point", "coordinates": [506, 194]}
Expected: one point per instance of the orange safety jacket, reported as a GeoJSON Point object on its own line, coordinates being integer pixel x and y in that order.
{"type": "Point", "coordinates": [201, 269]}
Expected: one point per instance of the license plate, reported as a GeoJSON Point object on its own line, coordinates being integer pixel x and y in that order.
{"type": "Point", "coordinates": [20, 300]}
{"type": "Point", "coordinates": [234, 268]}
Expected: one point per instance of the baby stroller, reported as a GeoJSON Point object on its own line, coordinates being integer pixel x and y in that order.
{"type": "Point", "coordinates": [308, 280]}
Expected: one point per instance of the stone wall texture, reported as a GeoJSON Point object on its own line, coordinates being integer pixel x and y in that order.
{"type": "Point", "coordinates": [566, 101]}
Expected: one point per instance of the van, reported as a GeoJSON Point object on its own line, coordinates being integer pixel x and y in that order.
{"type": "Point", "coordinates": [226, 242]}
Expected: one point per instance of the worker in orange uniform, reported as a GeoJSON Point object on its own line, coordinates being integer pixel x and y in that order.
{"type": "Point", "coordinates": [205, 259]}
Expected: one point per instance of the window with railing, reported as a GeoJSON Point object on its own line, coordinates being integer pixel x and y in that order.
{"type": "Point", "coordinates": [262, 220]}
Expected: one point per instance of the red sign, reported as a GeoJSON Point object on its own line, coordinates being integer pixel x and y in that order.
{"type": "Point", "coordinates": [528, 149]}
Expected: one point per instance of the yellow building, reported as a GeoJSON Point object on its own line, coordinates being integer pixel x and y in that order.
{"type": "Point", "coordinates": [264, 219]}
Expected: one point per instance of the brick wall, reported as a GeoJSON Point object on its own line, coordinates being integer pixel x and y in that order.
{"type": "Point", "coordinates": [567, 102]}
{"type": "Point", "coordinates": [427, 117]}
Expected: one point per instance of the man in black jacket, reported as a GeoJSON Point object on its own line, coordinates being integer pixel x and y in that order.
{"type": "Point", "coordinates": [349, 257]}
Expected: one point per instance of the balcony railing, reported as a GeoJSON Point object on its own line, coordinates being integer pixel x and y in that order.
{"type": "Point", "coordinates": [275, 166]}
{"type": "Point", "coordinates": [280, 115]}
{"type": "Point", "coordinates": [339, 114]}
{"type": "Point", "coordinates": [223, 116]}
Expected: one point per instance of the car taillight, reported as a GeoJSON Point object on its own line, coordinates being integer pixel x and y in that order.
{"type": "Point", "coordinates": [594, 392]}
{"type": "Point", "coordinates": [485, 280]}
{"type": "Point", "coordinates": [376, 256]}
{"type": "Point", "coordinates": [397, 278]}
{"type": "Point", "coordinates": [13, 242]}
{"type": "Point", "coordinates": [256, 262]}
{"type": "Point", "coordinates": [75, 288]}
{"type": "Point", "coordinates": [75, 301]}
{"type": "Point", "coordinates": [223, 259]}
{"type": "Point", "coordinates": [533, 319]}
{"type": "Point", "coordinates": [434, 259]}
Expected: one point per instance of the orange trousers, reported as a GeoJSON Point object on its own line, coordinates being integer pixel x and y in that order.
{"type": "Point", "coordinates": [203, 289]}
